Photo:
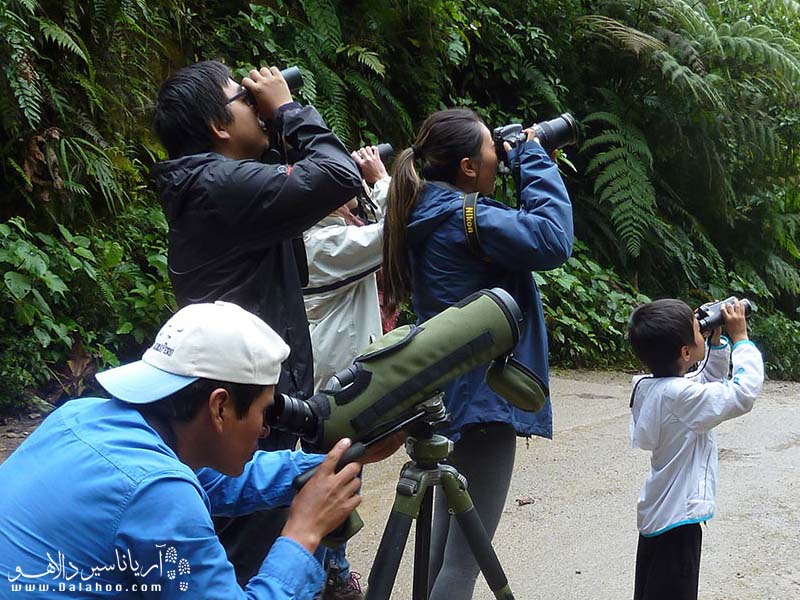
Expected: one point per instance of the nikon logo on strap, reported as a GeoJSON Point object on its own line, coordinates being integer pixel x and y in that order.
{"type": "Point", "coordinates": [470, 210]}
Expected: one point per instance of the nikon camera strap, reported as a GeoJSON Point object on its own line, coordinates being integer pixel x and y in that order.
{"type": "Point", "coordinates": [470, 217]}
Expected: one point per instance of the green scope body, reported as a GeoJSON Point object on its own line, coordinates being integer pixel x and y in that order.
{"type": "Point", "coordinates": [409, 365]}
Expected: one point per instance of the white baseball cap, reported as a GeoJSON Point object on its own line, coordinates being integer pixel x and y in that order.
{"type": "Point", "coordinates": [219, 341]}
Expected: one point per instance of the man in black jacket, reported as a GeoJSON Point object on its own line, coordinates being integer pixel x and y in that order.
{"type": "Point", "coordinates": [236, 224]}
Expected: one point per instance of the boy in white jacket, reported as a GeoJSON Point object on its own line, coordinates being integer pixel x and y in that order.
{"type": "Point", "coordinates": [673, 414]}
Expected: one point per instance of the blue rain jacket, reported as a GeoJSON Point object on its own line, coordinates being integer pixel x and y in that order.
{"type": "Point", "coordinates": [95, 505]}
{"type": "Point", "coordinates": [535, 237]}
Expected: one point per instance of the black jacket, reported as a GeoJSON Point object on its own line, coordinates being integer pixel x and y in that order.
{"type": "Point", "coordinates": [235, 229]}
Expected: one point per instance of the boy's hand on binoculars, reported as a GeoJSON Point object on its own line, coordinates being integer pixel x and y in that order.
{"type": "Point", "coordinates": [735, 321]}
{"type": "Point", "coordinates": [325, 501]}
{"type": "Point", "coordinates": [369, 161]}
{"type": "Point", "coordinates": [269, 89]}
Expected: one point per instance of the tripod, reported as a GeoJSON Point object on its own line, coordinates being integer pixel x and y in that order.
{"type": "Point", "coordinates": [414, 500]}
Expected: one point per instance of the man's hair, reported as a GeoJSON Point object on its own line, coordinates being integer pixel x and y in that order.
{"type": "Point", "coordinates": [182, 406]}
{"type": "Point", "coordinates": [188, 103]}
{"type": "Point", "coordinates": [657, 331]}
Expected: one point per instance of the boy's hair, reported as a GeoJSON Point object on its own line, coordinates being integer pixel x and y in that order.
{"type": "Point", "coordinates": [187, 104]}
{"type": "Point", "coordinates": [657, 331]}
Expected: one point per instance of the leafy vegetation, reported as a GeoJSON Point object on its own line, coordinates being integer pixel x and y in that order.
{"type": "Point", "coordinates": [685, 183]}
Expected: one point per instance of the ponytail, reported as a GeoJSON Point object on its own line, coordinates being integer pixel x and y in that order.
{"type": "Point", "coordinates": [444, 139]}
{"type": "Point", "coordinates": [404, 191]}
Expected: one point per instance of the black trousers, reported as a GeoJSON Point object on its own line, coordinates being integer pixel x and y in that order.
{"type": "Point", "coordinates": [668, 565]}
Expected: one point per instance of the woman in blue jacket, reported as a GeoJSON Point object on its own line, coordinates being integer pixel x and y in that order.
{"type": "Point", "coordinates": [427, 254]}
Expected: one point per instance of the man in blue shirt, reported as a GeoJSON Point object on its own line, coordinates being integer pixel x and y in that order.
{"type": "Point", "coordinates": [113, 498]}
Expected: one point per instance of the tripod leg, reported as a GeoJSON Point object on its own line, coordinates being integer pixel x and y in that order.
{"type": "Point", "coordinates": [460, 504]}
{"type": "Point", "coordinates": [390, 553]}
{"type": "Point", "coordinates": [422, 548]}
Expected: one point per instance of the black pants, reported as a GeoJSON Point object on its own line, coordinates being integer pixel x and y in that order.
{"type": "Point", "coordinates": [668, 565]}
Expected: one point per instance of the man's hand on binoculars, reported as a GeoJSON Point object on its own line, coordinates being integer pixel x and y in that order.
{"type": "Point", "coordinates": [735, 321]}
{"type": "Point", "coordinates": [269, 89]}
{"type": "Point", "coordinates": [369, 161]}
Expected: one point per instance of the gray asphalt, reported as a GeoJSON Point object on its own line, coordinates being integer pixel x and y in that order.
{"type": "Point", "coordinates": [569, 526]}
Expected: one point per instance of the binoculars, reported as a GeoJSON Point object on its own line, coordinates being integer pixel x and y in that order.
{"type": "Point", "coordinates": [293, 77]}
{"type": "Point", "coordinates": [709, 317]}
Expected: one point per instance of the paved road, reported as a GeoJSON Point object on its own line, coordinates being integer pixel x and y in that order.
{"type": "Point", "coordinates": [577, 539]}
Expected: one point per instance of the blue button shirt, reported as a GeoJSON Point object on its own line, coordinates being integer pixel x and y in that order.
{"type": "Point", "coordinates": [94, 504]}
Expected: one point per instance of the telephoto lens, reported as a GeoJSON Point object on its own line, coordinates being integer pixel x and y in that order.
{"type": "Point", "coordinates": [710, 317]}
{"type": "Point", "coordinates": [293, 77]}
{"type": "Point", "coordinates": [557, 133]}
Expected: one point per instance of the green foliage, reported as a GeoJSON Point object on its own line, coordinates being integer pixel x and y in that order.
{"type": "Point", "coordinates": [622, 165]}
{"type": "Point", "coordinates": [777, 337]}
{"type": "Point", "coordinates": [586, 310]}
{"type": "Point", "coordinates": [344, 76]}
{"type": "Point", "coordinates": [73, 302]}
{"type": "Point", "coordinates": [686, 183]}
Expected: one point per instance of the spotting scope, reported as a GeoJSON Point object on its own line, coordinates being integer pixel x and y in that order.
{"type": "Point", "coordinates": [394, 376]}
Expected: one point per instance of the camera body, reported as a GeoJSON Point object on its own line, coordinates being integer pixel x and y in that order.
{"type": "Point", "coordinates": [709, 317]}
{"type": "Point", "coordinates": [553, 135]}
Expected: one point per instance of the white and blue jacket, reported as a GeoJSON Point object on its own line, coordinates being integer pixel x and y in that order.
{"type": "Point", "coordinates": [673, 418]}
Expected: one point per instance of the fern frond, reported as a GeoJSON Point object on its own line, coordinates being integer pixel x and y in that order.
{"type": "Point", "coordinates": [325, 24]}
{"type": "Point", "coordinates": [29, 5]}
{"type": "Point", "coordinates": [53, 33]}
{"type": "Point", "coordinates": [383, 93]}
{"type": "Point", "coordinates": [359, 83]}
{"type": "Point", "coordinates": [368, 58]}
{"type": "Point", "coordinates": [765, 46]}
{"type": "Point", "coordinates": [690, 16]}
{"type": "Point", "coordinates": [620, 34]}
{"type": "Point", "coordinates": [540, 86]}
{"type": "Point", "coordinates": [24, 176]}
{"type": "Point", "coordinates": [334, 109]}
{"type": "Point", "coordinates": [782, 275]}
{"type": "Point", "coordinates": [630, 139]}
{"type": "Point", "coordinates": [623, 182]}
{"type": "Point", "coordinates": [686, 79]}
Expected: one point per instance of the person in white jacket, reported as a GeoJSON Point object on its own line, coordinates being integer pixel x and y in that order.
{"type": "Point", "coordinates": [673, 415]}
{"type": "Point", "coordinates": [344, 253]}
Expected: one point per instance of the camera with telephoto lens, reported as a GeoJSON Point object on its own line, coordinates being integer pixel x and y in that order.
{"type": "Point", "coordinates": [709, 317]}
{"type": "Point", "coordinates": [553, 135]}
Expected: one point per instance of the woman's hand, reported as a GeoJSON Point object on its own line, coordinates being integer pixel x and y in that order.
{"type": "Point", "coordinates": [532, 137]}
